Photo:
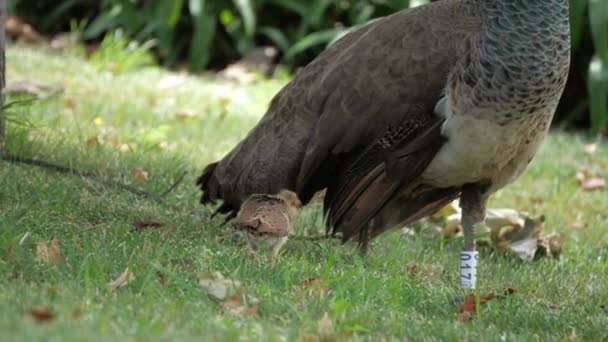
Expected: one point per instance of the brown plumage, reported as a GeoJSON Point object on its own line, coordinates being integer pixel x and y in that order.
{"type": "Point", "coordinates": [267, 219]}
{"type": "Point", "coordinates": [400, 117]}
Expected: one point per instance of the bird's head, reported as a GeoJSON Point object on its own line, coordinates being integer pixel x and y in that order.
{"type": "Point", "coordinates": [290, 198]}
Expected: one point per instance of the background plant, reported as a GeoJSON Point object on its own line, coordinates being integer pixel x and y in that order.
{"type": "Point", "coordinates": [209, 34]}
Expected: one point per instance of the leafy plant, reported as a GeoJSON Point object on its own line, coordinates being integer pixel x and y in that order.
{"type": "Point", "coordinates": [213, 33]}
{"type": "Point", "coordinates": [120, 55]}
{"type": "Point", "coordinates": [598, 68]}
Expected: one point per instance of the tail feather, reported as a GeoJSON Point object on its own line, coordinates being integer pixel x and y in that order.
{"type": "Point", "coordinates": [212, 192]}
{"type": "Point", "coordinates": [208, 184]}
{"type": "Point", "coordinates": [373, 179]}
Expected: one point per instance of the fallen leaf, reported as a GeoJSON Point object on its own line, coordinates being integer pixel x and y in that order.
{"type": "Point", "coordinates": [186, 114]}
{"type": "Point", "coordinates": [33, 88]}
{"type": "Point", "coordinates": [168, 231]}
{"type": "Point", "coordinates": [165, 146]}
{"type": "Point", "coordinates": [49, 253]}
{"type": "Point", "coordinates": [162, 279]}
{"type": "Point", "coordinates": [310, 338]}
{"type": "Point", "coordinates": [589, 181]}
{"type": "Point", "coordinates": [140, 173]}
{"type": "Point", "coordinates": [77, 313]}
{"type": "Point", "coordinates": [218, 287]}
{"type": "Point", "coordinates": [65, 41]}
{"type": "Point", "coordinates": [550, 245]}
{"type": "Point", "coordinates": [124, 148]}
{"type": "Point", "coordinates": [230, 293]}
{"type": "Point", "coordinates": [19, 30]}
{"type": "Point", "coordinates": [124, 279]}
{"type": "Point", "coordinates": [446, 212]}
{"type": "Point", "coordinates": [469, 308]}
{"type": "Point", "coordinates": [314, 286]}
{"type": "Point", "coordinates": [578, 223]}
{"type": "Point", "coordinates": [590, 148]}
{"type": "Point", "coordinates": [508, 291]}
{"type": "Point", "coordinates": [42, 315]}
{"type": "Point", "coordinates": [495, 219]}
{"type": "Point", "coordinates": [17, 276]}
{"type": "Point", "coordinates": [572, 337]}
{"type": "Point", "coordinates": [325, 325]}
{"type": "Point", "coordinates": [525, 249]}
{"type": "Point", "coordinates": [115, 141]}
{"type": "Point", "coordinates": [511, 231]}
{"type": "Point", "coordinates": [235, 306]}
{"type": "Point", "coordinates": [413, 270]}
{"type": "Point", "coordinates": [94, 141]}
{"type": "Point", "coordinates": [140, 226]}
{"type": "Point", "coordinates": [537, 200]}
{"type": "Point", "coordinates": [528, 242]}
{"type": "Point", "coordinates": [594, 183]}
{"type": "Point", "coordinates": [238, 73]}
{"type": "Point", "coordinates": [171, 81]}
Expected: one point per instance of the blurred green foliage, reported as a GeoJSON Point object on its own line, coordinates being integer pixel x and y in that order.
{"type": "Point", "coordinates": [213, 33]}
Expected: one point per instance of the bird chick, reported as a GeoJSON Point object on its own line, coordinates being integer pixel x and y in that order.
{"type": "Point", "coordinates": [266, 220]}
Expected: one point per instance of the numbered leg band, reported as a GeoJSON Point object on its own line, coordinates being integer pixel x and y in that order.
{"type": "Point", "coordinates": [468, 269]}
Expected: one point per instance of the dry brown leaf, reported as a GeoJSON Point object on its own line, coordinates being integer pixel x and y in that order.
{"type": "Point", "coordinates": [140, 173]}
{"type": "Point", "coordinates": [550, 245]}
{"type": "Point", "coordinates": [414, 270]}
{"type": "Point", "coordinates": [325, 325]}
{"type": "Point", "coordinates": [16, 276]}
{"type": "Point", "coordinates": [578, 223]}
{"type": "Point", "coordinates": [168, 231]}
{"type": "Point", "coordinates": [469, 308]}
{"type": "Point", "coordinates": [49, 253]}
{"type": "Point", "coordinates": [594, 183]}
{"type": "Point", "coordinates": [171, 81]}
{"type": "Point", "coordinates": [446, 211]}
{"type": "Point", "coordinates": [186, 114]}
{"type": "Point", "coordinates": [589, 181]}
{"type": "Point", "coordinates": [77, 313]}
{"type": "Point", "coordinates": [218, 287]}
{"type": "Point", "coordinates": [115, 141]}
{"type": "Point", "coordinates": [124, 279]}
{"type": "Point", "coordinates": [162, 279]}
{"type": "Point", "coordinates": [140, 226]}
{"type": "Point", "coordinates": [537, 200]}
{"type": "Point", "coordinates": [590, 148]}
{"type": "Point", "coordinates": [314, 286]}
{"type": "Point", "coordinates": [512, 232]}
{"type": "Point", "coordinates": [235, 306]}
{"type": "Point", "coordinates": [94, 141]}
{"type": "Point", "coordinates": [33, 88]}
{"type": "Point", "coordinates": [18, 29]}
{"type": "Point", "coordinates": [42, 315]}
{"type": "Point", "coordinates": [310, 338]}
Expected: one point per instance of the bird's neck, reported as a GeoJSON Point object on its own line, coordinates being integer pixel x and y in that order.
{"type": "Point", "coordinates": [520, 56]}
{"type": "Point", "coordinates": [521, 21]}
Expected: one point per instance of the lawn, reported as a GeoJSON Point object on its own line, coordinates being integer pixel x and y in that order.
{"type": "Point", "coordinates": [146, 128]}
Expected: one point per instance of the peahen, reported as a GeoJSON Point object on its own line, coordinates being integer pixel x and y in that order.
{"type": "Point", "coordinates": [402, 116]}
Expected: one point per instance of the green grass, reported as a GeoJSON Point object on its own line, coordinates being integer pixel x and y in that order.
{"type": "Point", "coordinates": [138, 123]}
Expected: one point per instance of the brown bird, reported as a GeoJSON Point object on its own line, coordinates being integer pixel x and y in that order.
{"type": "Point", "coordinates": [266, 220]}
{"type": "Point", "coordinates": [402, 116]}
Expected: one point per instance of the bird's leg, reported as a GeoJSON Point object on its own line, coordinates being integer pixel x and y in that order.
{"type": "Point", "coordinates": [473, 203]}
{"type": "Point", "coordinates": [276, 247]}
{"type": "Point", "coordinates": [250, 249]}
